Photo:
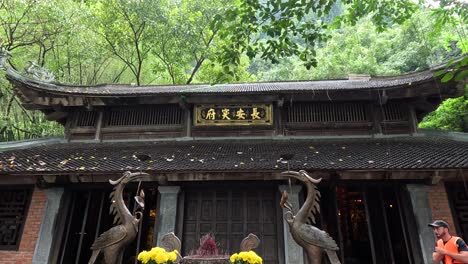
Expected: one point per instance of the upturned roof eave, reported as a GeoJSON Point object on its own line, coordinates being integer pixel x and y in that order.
{"type": "Point", "coordinates": [110, 90]}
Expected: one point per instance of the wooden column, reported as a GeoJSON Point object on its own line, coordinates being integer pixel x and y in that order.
{"type": "Point", "coordinates": [377, 118]}
{"type": "Point", "coordinates": [413, 120]}
{"type": "Point", "coordinates": [98, 134]}
{"type": "Point", "coordinates": [188, 121]}
{"type": "Point", "coordinates": [68, 125]}
{"type": "Point", "coordinates": [278, 118]}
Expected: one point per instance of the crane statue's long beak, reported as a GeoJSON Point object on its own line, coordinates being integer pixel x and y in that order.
{"type": "Point", "coordinates": [298, 175]}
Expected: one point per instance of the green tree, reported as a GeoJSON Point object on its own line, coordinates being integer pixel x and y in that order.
{"type": "Point", "coordinates": [414, 45]}
{"type": "Point", "coordinates": [451, 115]}
{"type": "Point", "coordinates": [31, 24]}
{"type": "Point", "coordinates": [126, 27]}
{"type": "Point", "coordinates": [184, 39]}
{"type": "Point", "coordinates": [453, 13]}
{"type": "Point", "coordinates": [268, 27]}
{"type": "Point", "coordinates": [29, 29]}
{"type": "Point", "coordinates": [90, 42]}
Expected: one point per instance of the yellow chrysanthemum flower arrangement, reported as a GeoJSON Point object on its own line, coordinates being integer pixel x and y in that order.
{"type": "Point", "coordinates": [246, 257]}
{"type": "Point", "coordinates": [158, 255]}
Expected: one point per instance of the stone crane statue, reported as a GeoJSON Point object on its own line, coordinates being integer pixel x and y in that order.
{"type": "Point", "coordinates": [313, 240]}
{"type": "Point", "coordinates": [112, 243]}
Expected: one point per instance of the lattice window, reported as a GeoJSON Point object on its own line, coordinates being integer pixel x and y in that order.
{"type": "Point", "coordinates": [326, 112]}
{"type": "Point", "coordinates": [146, 116]}
{"type": "Point", "coordinates": [86, 118]}
{"type": "Point", "coordinates": [394, 112]}
{"type": "Point", "coordinates": [14, 205]}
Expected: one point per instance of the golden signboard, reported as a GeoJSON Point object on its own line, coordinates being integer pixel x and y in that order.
{"type": "Point", "coordinates": [233, 115]}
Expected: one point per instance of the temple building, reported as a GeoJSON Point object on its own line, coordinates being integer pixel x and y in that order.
{"type": "Point", "coordinates": [215, 154]}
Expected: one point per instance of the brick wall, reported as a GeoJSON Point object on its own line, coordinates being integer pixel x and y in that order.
{"type": "Point", "coordinates": [25, 252]}
{"type": "Point", "coordinates": [439, 202]}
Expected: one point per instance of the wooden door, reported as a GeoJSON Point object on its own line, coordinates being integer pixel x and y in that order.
{"type": "Point", "coordinates": [230, 214]}
{"type": "Point", "coordinates": [85, 217]}
{"type": "Point", "coordinates": [458, 195]}
{"type": "Point", "coordinates": [369, 216]}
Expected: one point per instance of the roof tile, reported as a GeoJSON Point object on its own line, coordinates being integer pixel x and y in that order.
{"type": "Point", "coordinates": [236, 155]}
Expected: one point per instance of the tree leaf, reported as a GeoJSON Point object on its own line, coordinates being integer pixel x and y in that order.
{"type": "Point", "coordinates": [439, 73]}
{"type": "Point", "coordinates": [447, 77]}
{"type": "Point", "coordinates": [461, 75]}
{"type": "Point", "coordinates": [464, 61]}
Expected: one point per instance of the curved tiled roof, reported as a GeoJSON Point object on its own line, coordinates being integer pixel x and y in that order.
{"type": "Point", "coordinates": [235, 155]}
{"type": "Point", "coordinates": [240, 88]}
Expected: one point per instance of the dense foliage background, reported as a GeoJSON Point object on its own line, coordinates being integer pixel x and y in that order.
{"type": "Point", "coordinates": [196, 41]}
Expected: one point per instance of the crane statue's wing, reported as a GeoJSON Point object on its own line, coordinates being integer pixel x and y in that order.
{"type": "Point", "coordinates": [317, 237]}
{"type": "Point", "coordinates": [315, 208]}
{"type": "Point", "coordinates": [110, 237]}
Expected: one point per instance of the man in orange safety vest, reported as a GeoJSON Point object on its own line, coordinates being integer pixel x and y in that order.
{"type": "Point", "coordinates": [450, 249]}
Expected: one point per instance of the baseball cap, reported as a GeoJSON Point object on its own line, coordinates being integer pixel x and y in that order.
{"type": "Point", "coordinates": [439, 223]}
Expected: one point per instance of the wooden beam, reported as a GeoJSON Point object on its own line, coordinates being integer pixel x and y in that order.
{"type": "Point", "coordinates": [55, 116]}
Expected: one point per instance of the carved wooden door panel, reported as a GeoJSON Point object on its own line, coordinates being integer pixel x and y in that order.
{"type": "Point", "coordinates": [230, 214]}
{"type": "Point", "coordinates": [85, 216]}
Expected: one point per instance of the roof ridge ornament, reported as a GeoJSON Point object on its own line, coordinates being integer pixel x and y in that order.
{"type": "Point", "coordinates": [39, 73]}
{"type": "Point", "coordinates": [358, 77]}
{"type": "Point", "coordinates": [454, 51]}
{"type": "Point", "coordinates": [4, 57]}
